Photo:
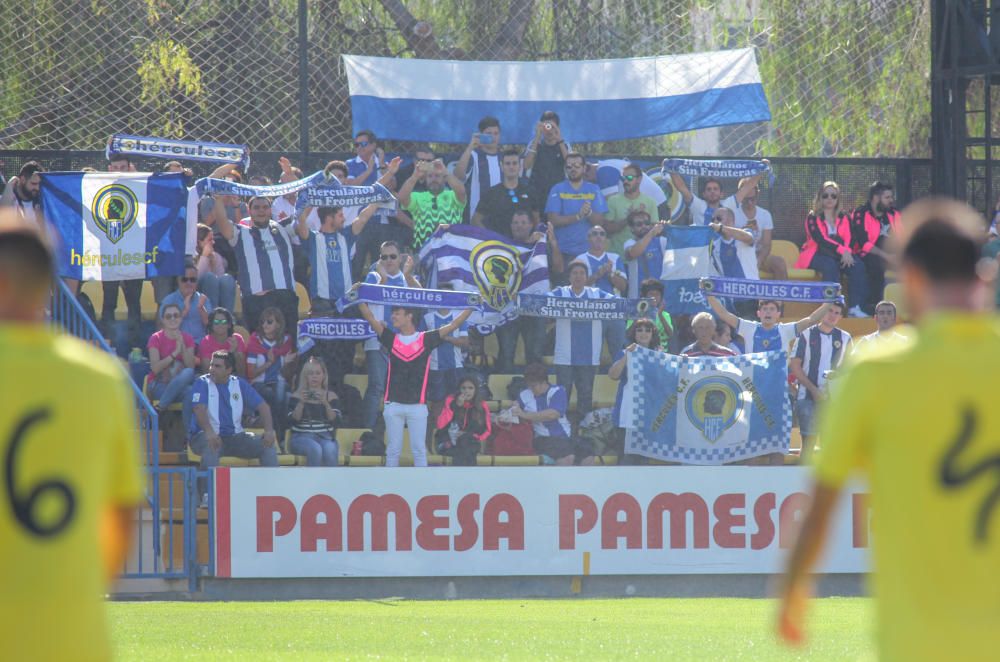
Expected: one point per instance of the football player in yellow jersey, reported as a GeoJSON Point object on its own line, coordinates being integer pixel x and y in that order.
{"type": "Point", "coordinates": [920, 424]}
{"type": "Point", "coordinates": [70, 477]}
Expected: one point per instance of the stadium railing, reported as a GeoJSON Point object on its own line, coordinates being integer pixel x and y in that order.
{"type": "Point", "coordinates": [150, 558]}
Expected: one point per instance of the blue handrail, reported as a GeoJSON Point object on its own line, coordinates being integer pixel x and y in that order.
{"type": "Point", "coordinates": [69, 315]}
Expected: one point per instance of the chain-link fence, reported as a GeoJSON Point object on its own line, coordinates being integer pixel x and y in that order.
{"type": "Point", "coordinates": [846, 78]}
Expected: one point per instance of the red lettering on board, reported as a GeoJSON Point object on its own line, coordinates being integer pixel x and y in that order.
{"type": "Point", "coordinates": [427, 509]}
{"type": "Point", "coordinates": [726, 520]}
{"type": "Point", "coordinates": [678, 505]}
{"type": "Point", "coordinates": [378, 509]}
{"type": "Point", "coordinates": [790, 515]}
{"type": "Point", "coordinates": [329, 530]}
{"type": "Point", "coordinates": [613, 527]}
{"type": "Point", "coordinates": [577, 514]}
{"type": "Point", "coordinates": [512, 528]}
{"type": "Point", "coordinates": [762, 518]}
{"type": "Point", "coordinates": [267, 527]}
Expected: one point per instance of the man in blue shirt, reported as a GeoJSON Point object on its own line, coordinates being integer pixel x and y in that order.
{"type": "Point", "coordinates": [606, 272]}
{"type": "Point", "coordinates": [769, 334]}
{"type": "Point", "coordinates": [573, 206]}
{"type": "Point", "coordinates": [220, 400]}
{"type": "Point", "coordinates": [544, 406]}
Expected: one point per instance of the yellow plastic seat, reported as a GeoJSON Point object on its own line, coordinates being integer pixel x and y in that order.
{"type": "Point", "coordinates": [147, 303]}
{"type": "Point", "coordinates": [789, 252]}
{"type": "Point", "coordinates": [305, 305]}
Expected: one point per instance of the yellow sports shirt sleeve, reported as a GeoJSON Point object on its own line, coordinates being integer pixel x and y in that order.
{"type": "Point", "coordinates": [845, 425]}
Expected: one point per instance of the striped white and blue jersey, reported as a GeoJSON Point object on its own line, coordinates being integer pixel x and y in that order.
{"type": "Point", "coordinates": [226, 403]}
{"type": "Point", "coordinates": [758, 339]}
{"type": "Point", "coordinates": [329, 256]}
{"type": "Point", "coordinates": [594, 264]}
{"type": "Point", "coordinates": [446, 356]}
{"type": "Point", "coordinates": [647, 265]}
{"type": "Point", "coordinates": [265, 258]}
{"type": "Point", "coordinates": [554, 398]}
{"type": "Point", "coordinates": [579, 342]}
{"type": "Point", "coordinates": [820, 352]}
{"type": "Point", "coordinates": [484, 174]}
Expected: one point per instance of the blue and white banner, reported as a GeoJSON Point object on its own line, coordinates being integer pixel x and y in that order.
{"type": "Point", "coordinates": [707, 410]}
{"type": "Point", "coordinates": [548, 305]}
{"type": "Point", "coordinates": [117, 226]}
{"type": "Point", "coordinates": [226, 187]}
{"type": "Point", "coordinates": [443, 100]}
{"type": "Point", "coordinates": [779, 290]}
{"type": "Point", "coordinates": [721, 168]}
{"type": "Point", "coordinates": [686, 260]}
{"type": "Point", "coordinates": [332, 328]}
{"type": "Point", "coordinates": [334, 194]}
{"type": "Point", "coordinates": [177, 150]}
{"type": "Point", "coordinates": [410, 297]}
{"type": "Point", "coordinates": [474, 259]}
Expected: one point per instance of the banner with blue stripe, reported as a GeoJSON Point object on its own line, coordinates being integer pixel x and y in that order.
{"type": "Point", "coordinates": [442, 100]}
{"type": "Point", "coordinates": [779, 290]}
{"type": "Point", "coordinates": [686, 260]}
{"type": "Point", "coordinates": [117, 226]}
{"type": "Point", "coordinates": [410, 297]}
{"type": "Point", "coordinates": [707, 410]}
{"type": "Point", "coordinates": [548, 305]}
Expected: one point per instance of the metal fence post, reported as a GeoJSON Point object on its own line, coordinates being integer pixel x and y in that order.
{"type": "Point", "coordinates": [304, 79]}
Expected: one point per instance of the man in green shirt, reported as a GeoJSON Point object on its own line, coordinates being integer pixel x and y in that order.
{"type": "Point", "coordinates": [619, 206]}
{"type": "Point", "coordinates": [435, 206]}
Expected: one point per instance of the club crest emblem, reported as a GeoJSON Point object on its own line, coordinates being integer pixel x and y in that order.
{"type": "Point", "coordinates": [713, 405]}
{"type": "Point", "coordinates": [115, 209]}
{"type": "Point", "coordinates": [496, 270]}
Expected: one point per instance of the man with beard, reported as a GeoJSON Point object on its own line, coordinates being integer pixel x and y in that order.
{"type": "Point", "coordinates": [871, 225]}
{"type": "Point", "coordinates": [435, 206]}
{"type": "Point", "coordinates": [22, 192]}
{"type": "Point", "coordinates": [573, 206]}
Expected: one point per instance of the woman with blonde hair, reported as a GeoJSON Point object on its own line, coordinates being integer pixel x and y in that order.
{"type": "Point", "coordinates": [313, 411]}
{"type": "Point", "coordinates": [828, 247]}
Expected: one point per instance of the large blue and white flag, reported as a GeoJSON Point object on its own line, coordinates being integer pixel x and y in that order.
{"type": "Point", "coordinates": [443, 100]}
{"type": "Point", "coordinates": [474, 259]}
{"type": "Point", "coordinates": [707, 410]}
{"type": "Point", "coordinates": [117, 226]}
{"type": "Point", "coordinates": [687, 259]}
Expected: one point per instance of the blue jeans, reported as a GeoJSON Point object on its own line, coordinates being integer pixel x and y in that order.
{"type": "Point", "coordinates": [581, 376]}
{"type": "Point", "coordinates": [220, 290]}
{"type": "Point", "coordinates": [320, 449]}
{"type": "Point", "coordinates": [830, 270]}
{"type": "Point", "coordinates": [377, 364]}
{"type": "Point", "coordinates": [531, 329]}
{"type": "Point", "coordinates": [171, 391]}
{"type": "Point", "coordinates": [245, 445]}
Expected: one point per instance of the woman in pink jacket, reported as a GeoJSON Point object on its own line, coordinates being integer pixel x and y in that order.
{"type": "Point", "coordinates": [463, 424]}
{"type": "Point", "coordinates": [828, 247]}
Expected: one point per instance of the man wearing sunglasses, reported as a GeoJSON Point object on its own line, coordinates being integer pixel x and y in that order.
{"type": "Point", "coordinates": [195, 307]}
{"type": "Point", "coordinates": [573, 207]}
{"type": "Point", "coordinates": [623, 204]}
{"type": "Point", "coordinates": [644, 251]}
{"type": "Point", "coordinates": [363, 169]}
{"type": "Point", "coordinates": [435, 206]}
{"type": "Point", "coordinates": [499, 203]}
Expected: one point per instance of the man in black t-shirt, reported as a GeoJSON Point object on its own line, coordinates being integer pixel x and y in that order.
{"type": "Point", "coordinates": [546, 158]}
{"type": "Point", "coordinates": [406, 385]}
{"type": "Point", "coordinates": [499, 203]}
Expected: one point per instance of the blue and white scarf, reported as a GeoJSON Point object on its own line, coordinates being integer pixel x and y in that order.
{"type": "Point", "coordinates": [547, 305]}
{"type": "Point", "coordinates": [779, 290]}
{"type": "Point", "coordinates": [334, 194]}
{"type": "Point", "coordinates": [226, 187]}
{"type": "Point", "coordinates": [332, 328]}
{"type": "Point", "coordinates": [410, 297]}
{"type": "Point", "coordinates": [177, 150]}
{"type": "Point", "coordinates": [722, 168]}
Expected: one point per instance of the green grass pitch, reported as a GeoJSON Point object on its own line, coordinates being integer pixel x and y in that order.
{"type": "Point", "coordinates": [638, 628]}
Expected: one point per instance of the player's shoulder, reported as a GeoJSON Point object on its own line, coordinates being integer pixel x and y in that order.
{"type": "Point", "coordinates": [77, 357]}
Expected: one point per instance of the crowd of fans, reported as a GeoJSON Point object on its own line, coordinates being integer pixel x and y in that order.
{"type": "Point", "coordinates": [598, 247]}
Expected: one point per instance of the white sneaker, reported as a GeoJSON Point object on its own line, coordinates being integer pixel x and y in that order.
{"type": "Point", "coordinates": [857, 312]}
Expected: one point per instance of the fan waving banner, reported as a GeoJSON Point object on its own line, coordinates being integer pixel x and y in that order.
{"type": "Point", "coordinates": [117, 226]}
{"type": "Point", "coordinates": [687, 259]}
{"type": "Point", "coordinates": [473, 259]}
{"type": "Point", "coordinates": [443, 100]}
{"type": "Point", "coordinates": [707, 410]}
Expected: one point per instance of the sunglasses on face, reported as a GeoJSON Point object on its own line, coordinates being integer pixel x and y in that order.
{"type": "Point", "coordinates": [629, 178]}
{"type": "Point", "coordinates": [718, 219]}
{"type": "Point", "coordinates": [598, 233]}
{"type": "Point", "coordinates": [362, 143]}
{"type": "Point", "coordinates": [388, 257]}
{"type": "Point", "coordinates": [265, 322]}
{"type": "Point", "coordinates": [172, 316]}
{"type": "Point", "coordinates": [829, 196]}
{"type": "Point", "coordinates": [220, 322]}
{"type": "Point", "coordinates": [187, 279]}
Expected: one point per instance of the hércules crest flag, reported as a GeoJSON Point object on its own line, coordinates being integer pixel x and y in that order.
{"type": "Point", "coordinates": [117, 226]}
{"type": "Point", "coordinates": [474, 259]}
{"type": "Point", "coordinates": [707, 410]}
